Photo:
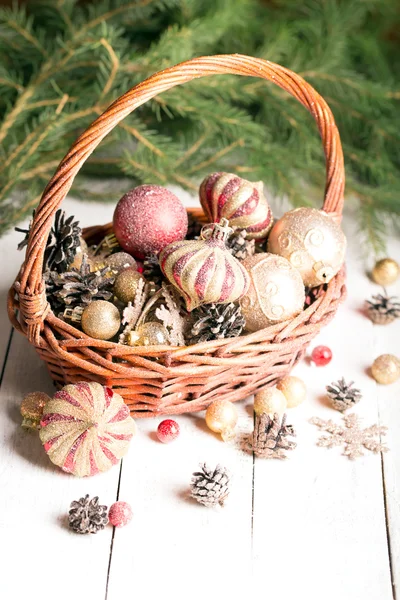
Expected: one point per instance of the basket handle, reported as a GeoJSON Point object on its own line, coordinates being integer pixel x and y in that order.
{"type": "Point", "coordinates": [33, 304]}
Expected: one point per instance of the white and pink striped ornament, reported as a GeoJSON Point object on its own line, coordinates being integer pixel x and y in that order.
{"type": "Point", "coordinates": [204, 270]}
{"type": "Point", "coordinates": [86, 428]}
{"type": "Point", "coordinates": [242, 202]}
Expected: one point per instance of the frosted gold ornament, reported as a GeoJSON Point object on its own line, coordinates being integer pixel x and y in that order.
{"type": "Point", "coordinates": [101, 320]}
{"type": "Point", "coordinates": [148, 334]}
{"type": "Point", "coordinates": [313, 243]}
{"type": "Point", "coordinates": [294, 390]}
{"type": "Point", "coordinates": [270, 401]}
{"type": "Point", "coordinates": [221, 417]}
{"type": "Point", "coordinates": [126, 284]}
{"type": "Point", "coordinates": [386, 369]}
{"type": "Point", "coordinates": [276, 291]}
{"type": "Point", "coordinates": [31, 408]}
{"type": "Point", "coordinates": [385, 271]}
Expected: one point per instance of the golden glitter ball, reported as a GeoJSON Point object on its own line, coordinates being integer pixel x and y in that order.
{"type": "Point", "coordinates": [294, 390]}
{"type": "Point", "coordinates": [221, 417]}
{"type": "Point", "coordinates": [385, 271]}
{"type": "Point", "coordinates": [101, 320]}
{"type": "Point", "coordinates": [313, 243]}
{"type": "Point", "coordinates": [276, 292]}
{"type": "Point", "coordinates": [271, 401]}
{"type": "Point", "coordinates": [31, 408]}
{"type": "Point", "coordinates": [120, 261]}
{"type": "Point", "coordinates": [126, 284]}
{"type": "Point", "coordinates": [149, 334]}
{"type": "Point", "coordinates": [386, 369]}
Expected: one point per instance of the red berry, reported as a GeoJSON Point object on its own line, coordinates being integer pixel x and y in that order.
{"type": "Point", "coordinates": [321, 356]}
{"type": "Point", "coordinates": [167, 431]}
{"type": "Point", "coordinates": [120, 514]}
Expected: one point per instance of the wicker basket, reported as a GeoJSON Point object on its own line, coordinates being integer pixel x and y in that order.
{"type": "Point", "coordinates": [165, 380]}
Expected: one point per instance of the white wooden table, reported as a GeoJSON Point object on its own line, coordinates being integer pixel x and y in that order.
{"type": "Point", "coordinates": [317, 526]}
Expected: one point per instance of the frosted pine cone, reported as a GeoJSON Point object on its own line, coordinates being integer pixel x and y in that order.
{"type": "Point", "coordinates": [87, 516]}
{"type": "Point", "coordinates": [239, 246]}
{"type": "Point", "coordinates": [343, 395]}
{"type": "Point", "coordinates": [215, 322]}
{"type": "Point", "coordinates": [210, 487]}
{"type": "Point", "coordinates": [383, 309]}
{"type": "Point", "coordinates": [269, 439]}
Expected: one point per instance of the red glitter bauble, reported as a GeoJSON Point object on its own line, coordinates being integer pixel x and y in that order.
{"type": "Point", "coordinates": [321, 356]}
{"type": "Point", "coordinates": [120, 514]}
{"type": "Point", "coordinates": [147, 219]}
{"type": "Point", "coordinates": [167, 431]}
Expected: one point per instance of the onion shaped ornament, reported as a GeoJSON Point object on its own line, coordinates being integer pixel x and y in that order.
{"type": "Point", "coordinates": [242, 202]}
{"type": "Point", "coordinates": [204, 271]}
{"type": "Point", "coordinates": [86, 428]}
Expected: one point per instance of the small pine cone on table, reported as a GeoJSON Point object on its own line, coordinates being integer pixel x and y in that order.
{"type": "Point", "coordinates": [239, 246]}
{"type": "Point", "coordinates": [87, 516]}
{"type": "Point", "coordinates": [210, 487]}
{"type": "Point", "coordinates": [383, 309]}
{"type": "Point", "coordinates": [269, 439]}
{"type": "Point", "coordinates": [343, 395]}
{"type": "Point", "coordinates": [215, 322]}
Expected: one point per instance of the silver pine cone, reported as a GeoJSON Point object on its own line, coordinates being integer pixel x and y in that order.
{"type": "Point", "coordinates": [343, 395]}
{"type": "Point", "coordinates": [239, 246]}
{"type": "Point", "coordinates": [210, 487]}
{"type": "Point", "coordinates": [215, 322]}
{"type": "Point", "coordinates": [87, 516]}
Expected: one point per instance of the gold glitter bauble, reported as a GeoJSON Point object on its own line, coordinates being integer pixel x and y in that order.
{"type": "Point", "coordinates": [80, 251]}
{"type": "Point", "coordinates": [120, 261]}
{"type": "Point", "coordinates": [386, 369]}
{"type": "Point", "coordinates": [126, 285]}
{"type": "Point", "coordinates": [276, 291]}
{"type": "Point", "coordinates": [221, 417]}
{"type": "Point", "coordinates": [149, 334]}
{"type": "Point", "coordinates": [386, 271]}
{"type": "Point", "coordinates": [313, 243]}
{"type": "Point", "coordinates": [32, 407]}
{"type": "Point", "coordinates": [271, 401]}
{"type": "Point", "coordinates": [294, 390]}
{"type": "Point", "coordinates": [101, 320]}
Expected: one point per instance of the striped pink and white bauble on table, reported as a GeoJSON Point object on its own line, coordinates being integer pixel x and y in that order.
{"type": "Point", "coordinates": [204, 270]}
{"type": "Point", "coordinates": [86, 428]}
{"type": "Point", "coordinates": [242, 202]}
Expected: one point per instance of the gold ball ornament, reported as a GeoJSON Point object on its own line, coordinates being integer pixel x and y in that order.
{"type": "Point", "coordinates": [294, 390]}
{"type": "Point", "coordinates": [221, 417]}
{"type": "Point", "coordinates": [313, 243]}
{"type": "Point", "coordinates": [120, 261]}
{"type": "Point", "coordinates": [149, 334]}
{"type": "Point", "coordinates": [126, 284]}
{"type": "Point", "coordinates": [386, 369]}
{"type": "Point", "coordinates": [32, 407]}
{"type": "Point", "coordinates": [101, 320]}
{"type": "Point", "coordinates": [276, 292]}
{"type": "Point", "coordinates": [385, 271]}
{"type": "Point", "coordinates": [271, 401]}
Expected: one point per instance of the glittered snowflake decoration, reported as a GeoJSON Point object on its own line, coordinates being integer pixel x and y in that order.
{"type": "Point", "coordinates": [351, 436]}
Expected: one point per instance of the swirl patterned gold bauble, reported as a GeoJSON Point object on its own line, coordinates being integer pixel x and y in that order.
{"type": "Point", "coordinates": [276, 292]}
{"type": "Point", "coordinates": [86, 428]}
{"type": "Point", "coordinates": [313, 243]}
{"type": "Point", "coordinates": [204, 271]}
{"type": "Point", "coordinates": [225, 195]}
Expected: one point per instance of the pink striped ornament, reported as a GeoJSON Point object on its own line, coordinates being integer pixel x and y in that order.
{"type": "Point", "coordinates": [242, 202]}
{"type": "Point", "coordinates": [204, 271]}
{"type": "Point", "coordinates": [86, 428]}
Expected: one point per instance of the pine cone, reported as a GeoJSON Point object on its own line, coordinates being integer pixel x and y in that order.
{"type": "Point", "coordinates": [239, 246]}
{"type": "Point", "coordinates": [383, 309]}
{"type": "Point", "coordinates": [87, 516]}
{"type": "Point", "coordinates": [269, 439]}
{"type": "Point", "coordinates": [343, 395]}
{"type": "Point", "coordinates": [210, 486]}
{"type": "Point", "coordinates": [152, 271]}
{"type": "Point", "coordinates": [78, 287]}
{"type": "Point", "coordinates": [215, 322]}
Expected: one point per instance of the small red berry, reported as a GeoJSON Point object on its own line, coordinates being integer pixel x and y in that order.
{"type": "Point", "coordinates": [120, 514]}
{"type": "Point", "coordinates": [167, 431]}
{"type": "Point", "coordinates": [321, 356]}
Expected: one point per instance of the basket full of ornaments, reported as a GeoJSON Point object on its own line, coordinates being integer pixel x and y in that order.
{"type": "Point", "coordinates": [172, 308]}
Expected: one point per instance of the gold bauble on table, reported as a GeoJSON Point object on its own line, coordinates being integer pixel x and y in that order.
{"type": "Point", "coordinates": [148, 334]}
{"type": "Point", "coordinates": [294, 390]}
{"type": "Point", "coordinates": [313, 243]}
{"type": "Point", "coordinates": [101, 320]}
{"type": "Point", "coordinates": [221, 417]}
{"type": "Point", "coordinates": [126, 284]}
{"type": "Point", "coordinates": [276, 291]}
{"type": "Point", "coordinates": [270, 401]}
{"type": "Point", "coordinates": [386, 369]}
{"type": "Point", "coordinates": [385, 271]}
{"type": "Point", "coordinates": [31, 408]}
